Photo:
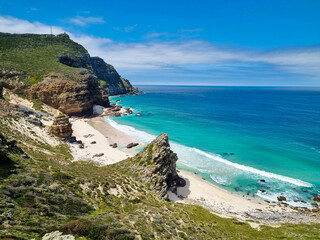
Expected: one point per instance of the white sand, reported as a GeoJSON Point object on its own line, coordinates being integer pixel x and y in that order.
{"type": "Point", "coordinates": [200, 192]}
{"type": "Point", "coordinates": [82, 128]}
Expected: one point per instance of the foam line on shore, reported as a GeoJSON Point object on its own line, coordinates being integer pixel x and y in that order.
{"type": "Point", "coordinates": [293, 181]}
{"type": "Point", "coordinates": [147, 138]}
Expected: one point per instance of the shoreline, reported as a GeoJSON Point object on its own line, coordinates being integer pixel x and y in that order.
{"type": "Point", "coordinates": [197, 191]}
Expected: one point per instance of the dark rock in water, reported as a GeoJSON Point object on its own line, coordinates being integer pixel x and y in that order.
{"type": "Point", "coordinates": [115, 145]}
{"type": "Point", "coordinates": [131, 145]}
{"type": "Point", "coordinates": [231, 154]}
{"type": "Point", "coordinates": [316, 199]}
{"type": "Point", "coordinates": [237, 189]}
{"type": "Point", "coordinates": [281, 198]}
{"type": "Point", "coordinates": [93, 142]}
{"type": "Point", "coordinates": [225, 153]}
{"type": "Point", "coordinates": [98, 155]}
{"type": "Point", "coordinates": [262, 180]}
{"type": "Point", "coordinates": [303, 201]}
{"type": "Point", "coordinates": [267, 201]}
{"type": "Point", "coordinates": [261, 190]}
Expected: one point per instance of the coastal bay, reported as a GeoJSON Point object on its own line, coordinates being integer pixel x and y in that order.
{"type": "Point", "coordinates": [197, 190]}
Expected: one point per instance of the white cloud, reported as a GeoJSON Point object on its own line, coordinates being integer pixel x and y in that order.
{"type": "Point", "coordinates": [84, 21]}
{"type": "Point", "coordinates": [14, 25]}
{"type": "Point", "coordinates": [172, 54]}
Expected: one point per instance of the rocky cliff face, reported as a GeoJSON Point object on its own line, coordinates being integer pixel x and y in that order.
{"type": "Point", "coordinates": [157, 164]}
{"type": "Point", "coordinates": [112, 83]}
{"type": "Point", "coordinates": [70, 97]}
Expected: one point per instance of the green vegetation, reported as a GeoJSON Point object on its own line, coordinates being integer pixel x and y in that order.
{"type": "Point", "coordinates": [37, 55]}
{"type": "Point", "coordinates": [47, 192]}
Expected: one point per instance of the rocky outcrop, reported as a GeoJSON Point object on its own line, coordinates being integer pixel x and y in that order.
{"type": "Point", "coordinates": [112, 83]}
{"type": "Point", "coordinates": [61, 127]}
{"type": "Point", "coordinates": [13, 80]}
{"type": "Point", "coordinates": [157, 164]}
{"type": "Point", "coordinates": [57, 236]}
{"type": "Point", "coordinates": [70, 97]}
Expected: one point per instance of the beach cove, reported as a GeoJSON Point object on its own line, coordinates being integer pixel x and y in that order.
{"type": "Point", "coordinates": [197, 191]}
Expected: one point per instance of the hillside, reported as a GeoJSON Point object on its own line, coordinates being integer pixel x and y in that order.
{"type": "Point", "coordinates": [46, 67]}
{"type": "Point", "coordinates": [42, 191]}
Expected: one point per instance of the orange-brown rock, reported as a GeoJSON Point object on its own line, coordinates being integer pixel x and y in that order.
{"type": "Point", "coordinates": [70, 97]}
{"type": "Point", "coordinates": [61, 126]}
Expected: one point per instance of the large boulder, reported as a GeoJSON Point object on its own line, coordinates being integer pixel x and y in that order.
{"type": "Point", "coordinates": [157, 165]}
{"type": "Point", "coordinates": [61, 126]}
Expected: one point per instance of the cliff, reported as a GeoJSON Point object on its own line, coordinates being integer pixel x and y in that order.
{"type": "Point", "coordinates": [57, 71]}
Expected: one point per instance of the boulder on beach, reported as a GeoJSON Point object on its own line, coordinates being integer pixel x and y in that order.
{"type": "Point", "coordinates": [98, 155]}
{"type": "Point", "coordinates": [131, 145]}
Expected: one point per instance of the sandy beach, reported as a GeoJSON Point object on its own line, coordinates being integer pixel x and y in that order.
{"type": "Point", "coordinates": [97, 142]}
{"type": "Point", "coordinates": [197, 191]}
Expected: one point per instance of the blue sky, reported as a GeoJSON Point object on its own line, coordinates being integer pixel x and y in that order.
{"type": "Point", "coordinates": [217, 42]}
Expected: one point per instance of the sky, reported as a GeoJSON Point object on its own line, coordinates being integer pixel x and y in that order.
{"type": "Point", "coordinates": [184, 42]}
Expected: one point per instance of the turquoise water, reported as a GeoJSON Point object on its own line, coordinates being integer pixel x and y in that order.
{"type": "Point", "coordinates": [236, 136]}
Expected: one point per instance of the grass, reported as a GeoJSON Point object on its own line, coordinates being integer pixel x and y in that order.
{"type": "Point", "coordinates": [37, 54]}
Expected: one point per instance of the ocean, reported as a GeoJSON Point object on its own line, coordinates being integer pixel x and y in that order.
{"type": "Point", "coordinates": [256, 141]}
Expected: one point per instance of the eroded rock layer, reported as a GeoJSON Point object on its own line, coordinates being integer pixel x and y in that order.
{"type": "Point", "coordinates": [61, 127]}
{"type": "Point", "coordinates": [70, 97]}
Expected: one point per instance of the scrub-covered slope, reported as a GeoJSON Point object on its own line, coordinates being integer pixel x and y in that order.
{"type": "Point", "coordinates": [42, 191]}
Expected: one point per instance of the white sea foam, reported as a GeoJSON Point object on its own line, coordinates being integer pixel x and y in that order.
{"type": "Point", "coordinates": [185, 153]}
{"type": "Point", "coordinates": [273, 197]}
{"type": "Point", "coordinates": [138, 135]}
{"type": "Point", "coordinates": [220, 180]}
{"type": "Point", "coordinates": [217, 158]}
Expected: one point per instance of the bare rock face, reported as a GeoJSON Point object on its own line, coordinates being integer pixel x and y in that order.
{"type": "Point", "coordinates": [70, 97]}
{"type": "Point", "coordinates": [157, 164]}
{"type": "Point", "coordinates": [61, 127]}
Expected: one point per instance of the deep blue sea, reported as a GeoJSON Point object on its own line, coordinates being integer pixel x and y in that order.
{"type": "Point", "coordinates": [235, 137]}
